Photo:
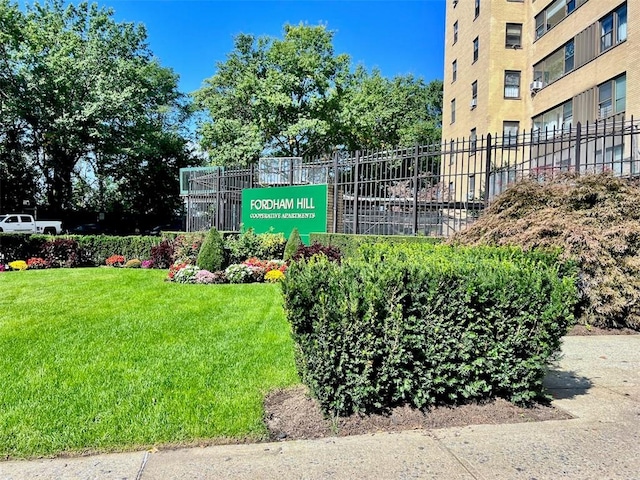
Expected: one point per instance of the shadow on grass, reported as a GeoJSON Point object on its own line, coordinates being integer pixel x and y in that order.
{"type": "Point", "coordinates": [562, 384]}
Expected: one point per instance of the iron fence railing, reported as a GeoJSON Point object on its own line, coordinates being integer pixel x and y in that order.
{"type": "Point", "coordinates": [425, 189]}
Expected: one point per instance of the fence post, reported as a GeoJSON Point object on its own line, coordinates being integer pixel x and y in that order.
{"type": "Point", "coordinates": [252, 174]}
{"type": "Point", "coordinates": [290, 171]}
{"type": "Point", "coordinates": [578, 142]}
{"type": "Point", "coordinates": [335, 192]}
{"type": "Point", "coordinates": [189, 190]}
{"type": "Point", "coordinates": [356, 176]}
{"type": "Point", "coordinates": [217, 223]}
{"type": "Point", "coordinates": [415, 189]}
{"type": "Point", "coordinates": [487, 174]}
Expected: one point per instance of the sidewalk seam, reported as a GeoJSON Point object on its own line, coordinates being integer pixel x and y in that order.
{"type": "Point", "coordinates": [443, 447]}
{"type": "Point", "coordinates": [142, 465]}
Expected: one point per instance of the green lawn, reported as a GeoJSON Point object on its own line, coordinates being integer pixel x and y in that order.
{"type": "Point", "coordinates": [110, 359]}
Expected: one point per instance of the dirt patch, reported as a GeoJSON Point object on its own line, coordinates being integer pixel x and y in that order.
{"type": "Point", "coordinates": [584, 330]}
{"type": "Point", "coordinates": [291, 414]}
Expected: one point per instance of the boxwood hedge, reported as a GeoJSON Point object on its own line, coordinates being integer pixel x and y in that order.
{"type": "Point", "coordinates": [426, 325]}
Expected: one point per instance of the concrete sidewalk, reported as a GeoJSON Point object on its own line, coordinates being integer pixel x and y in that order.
{"type": "Point", "coordinates": [597, 381]}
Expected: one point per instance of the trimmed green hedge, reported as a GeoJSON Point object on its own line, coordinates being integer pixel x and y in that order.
{"type": "Point", "coordinates": [93, 250]}
{"type": "Point", "coordinates": [348, 243]}
{"type": "Point", "coordinates": [427, 325]}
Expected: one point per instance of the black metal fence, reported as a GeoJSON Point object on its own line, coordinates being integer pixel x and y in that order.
{"type": "Point", "coordinates": [425, 189]}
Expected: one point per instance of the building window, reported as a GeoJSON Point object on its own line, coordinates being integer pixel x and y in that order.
{"type": "Point", "coordinates": [510, 131]}
{"type": "Point", "coordinates": [555, 65]}
{"type": "Point", "coordinates": [477, 11]}
{"type": "Point", "coordinates": [474, 94]}
{"type": "Point", "coordinates": [476, 47]}
{"type": "Point", "coordinates": [471, 193]}
{"type": "Point", "coordinates": [553, 14]}
{"type": "Point", "coordinates": [455, 32]}
{"type": "Point", "coordinates": [452, 156]}
{"type": "Point", "coordinates": [454, 71]}
{"type": "Point", "coordinates": [612, 97]}
{"type": "Point", "coordinates": [473, 141]}
{"type": "Point", "coordinates": [453, 111]}
{"type": "Point", "coordinates": [613, 28]}
{"type": "Point", "coordinates": [560, 117]}
{"type": "Point", "coordinates": [511, 84]}
{"type": "Point", "coordinates": [513, 35]}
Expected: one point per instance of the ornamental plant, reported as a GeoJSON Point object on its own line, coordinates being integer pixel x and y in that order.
{"type": "Point", "coordinates": [239, 273]}
{"type": "Point", "coordinates": [293, 243]}
{"type": "Point", "coordinates": [205, 277]}
{"type": "Point", "coordinates": [273, 276]}
{"type": "Point", "coordinates": [115, 261]}
{"type": "Point", "coordinates": [147, 264]}
{"type": "Point", "coordinates": [133, 263]}
{"type": "Point", "coordinates": [18, 265]}
{"type": "Point", "coordinates": [186, 274]}
{"type": "Point", "coordinates": [211, 255]}
{"type": "Point", "coordinates": [162, 255]}
{"type": "Point", "coordinates": [36, 263]}
{"type": "Point", "coordinates": [175, 268]}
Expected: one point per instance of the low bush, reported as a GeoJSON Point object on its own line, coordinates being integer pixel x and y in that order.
{"type": "Point", "coordinates": [306, 252]}
{"type": "Point", "coordinates": [162, 254]}
{"type": "Point", "coordinates": [594, 219]}
{"type": "Point", "coordinates": [240, 247]}
{"type": "Point", "coordinates": [133, 263]}
{"type": "Point", "coordinates": [211, 254]}
{"type": "Point", "coordinates": [37, 263]}
{"type": "Point", "coordinates": [348, 244]}
{"type": "Point", "coordinates": [426, 325]}
{"type": "Point", "coordinates": [115, 261]}
{"type": "Point", "coordinates": [16, 246]}
{"type": "Point", "coordinates": [95, 249]}
{"type": "Point", "coordinates": [62, 252]}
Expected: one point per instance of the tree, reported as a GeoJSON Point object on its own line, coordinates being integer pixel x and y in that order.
{"type": "Point", "coordinates": [377, 111]}
{"type": "Point", "coordinates": [83, 93]}
{"type": "Point", "coordinates": [296, 97]}
{"type": "Point", "coordinates": [274, 96]}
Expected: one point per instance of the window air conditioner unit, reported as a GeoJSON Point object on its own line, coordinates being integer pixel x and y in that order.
{"type": "Point", "coordinates": [474, 103]}
{"type": "Point", "coordinates": [536, 85]}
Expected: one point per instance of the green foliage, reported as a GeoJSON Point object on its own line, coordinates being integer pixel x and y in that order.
{"type": "Point", "coordinates": [77, 84]}
{"type": "Point", "coordinates": [426, 324]}
{"type": "Point", "coordinates": [87, 353]}
{"type": "Point", "coordinates": [248, 244]}
{"type": "Point", "coordinates": [211, 255]}
{"type": "Point", "coordinates": [62, 253]}
{"type": "Point", "coordinates": [293, 242]}
{"type": "Point", "coordinates": [95, 249]}
{"type": "Point", "coordinates": [348, 244]}
{"type": "Point", "coordinates": [377, 111]}
{"type": "Point", "coordinates": [593, 219]}
{"type": "Point", "coordinates": [20, 246]}
{"type": "Point", "coordinates": [295, 97]}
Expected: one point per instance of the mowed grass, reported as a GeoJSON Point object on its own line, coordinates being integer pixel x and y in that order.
{"type": "Point", "coordinates": [114, 359]}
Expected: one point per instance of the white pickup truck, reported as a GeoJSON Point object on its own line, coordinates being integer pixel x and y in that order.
{"type": "Point", "coordinates": [22, 223]}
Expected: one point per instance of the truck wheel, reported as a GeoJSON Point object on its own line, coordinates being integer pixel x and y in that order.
{"type": "Point", "coordinates": [49, 231]}
{"type": "Point", "coordinates": [1, 230]}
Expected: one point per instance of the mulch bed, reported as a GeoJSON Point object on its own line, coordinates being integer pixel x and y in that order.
{"type": "Point", "coordinates": [291, 414]}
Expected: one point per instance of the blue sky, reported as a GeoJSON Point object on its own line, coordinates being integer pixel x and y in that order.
{"type": "Point", "coordinates": [191, 36]}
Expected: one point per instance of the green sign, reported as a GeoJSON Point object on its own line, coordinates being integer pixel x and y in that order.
{"type": "Point", "coordinates": [281, 209]}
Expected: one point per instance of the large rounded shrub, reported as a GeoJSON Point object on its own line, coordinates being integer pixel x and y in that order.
{"type": "Point", "coordinates": [594, 218]}
{"type": "Point", "coordinates": [211, 255]}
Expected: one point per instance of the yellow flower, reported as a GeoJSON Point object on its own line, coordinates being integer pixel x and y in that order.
{"type": "Point", "coordinates": [18, 265]}
{"type": "Point", "coordinates": [273, 276]}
